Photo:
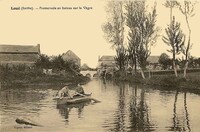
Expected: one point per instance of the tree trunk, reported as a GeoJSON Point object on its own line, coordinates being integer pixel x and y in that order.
{"type": "Point", "coordinates": [175, 70]}
{"type": "Point", "coordinates": [188, 48]}
{"type": "Point", "coordinates": [185, 69]}
{"type": "Point", "coordinates": [135, 65]}
{"type": "Point", "coordinates": [170, 14]}
{"type": "Point", "coordinates": [142, 73]}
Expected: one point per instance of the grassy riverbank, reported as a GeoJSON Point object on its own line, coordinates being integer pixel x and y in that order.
{"type": "Point", "coordinates": [13, 78]}
{"type": "Point", "coordinates": [167, 81]}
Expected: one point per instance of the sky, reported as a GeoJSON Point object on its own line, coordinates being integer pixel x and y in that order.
{"type": "Point", "coordinates": [58, 31]}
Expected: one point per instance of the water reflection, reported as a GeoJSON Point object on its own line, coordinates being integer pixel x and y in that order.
{"type": "Point", "coordinates": [123, 107]}
{"type": "Point", "coordinates": [181, 121]}
{"type": "Point", "coordinates": [139, 112]}
{"type": "Point", "coordinates": [132, 111]}
{"type": "Point", "coordinates": [121, 112]}
{"type": "Point", "coordinates": [65, 110]}
{"type": "Point", "coordinates": [186, 112]}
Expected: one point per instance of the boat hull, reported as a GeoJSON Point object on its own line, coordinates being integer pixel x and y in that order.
{"type": "Point", "coordinates": [77, 99]}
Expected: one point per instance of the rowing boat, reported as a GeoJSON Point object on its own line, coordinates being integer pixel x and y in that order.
{"type": "Point", "coordinates": [75, 99]}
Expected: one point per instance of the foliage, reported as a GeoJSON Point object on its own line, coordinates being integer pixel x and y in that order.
{"type": "Point", "coordinates": [165, 61]}
{"type": "Point", "coordinates": [114, 31]}
{"type": "Point", "coordinates": [72, 66]}
{"type": "Point", "coordinates": [43, 62]}
{"type": "Point", "coordinates": [114, 27]}
{"type": "Point", "coordinates": [192, 62]}
{"type": "Point", "coordinates": [142, 31]}
{"type": "Point", "coordinates": [121, 57]}
{"type": "Point", "coordinates": [187, 9]}
{"type": "Point", "coordinates": [171, 4]}
{"type": "Point", "coordinates": [56, 63]}
{"type": "Point", "coordinates": [175, 39]}
{"type": "Point", "coordinates": [133, 38]}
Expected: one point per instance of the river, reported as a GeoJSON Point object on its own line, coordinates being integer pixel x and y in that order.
{"type": "Point", "coordinates": [123, 107]}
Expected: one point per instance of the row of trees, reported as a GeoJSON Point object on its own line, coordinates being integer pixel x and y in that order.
{"type": "Point", "coordinates": [132, 30]}
{"type": "Point", "coordinates": [175, 38]}
{"type": "Point", "coordinates": [166, 62]}
{"type": "Point", "coordinates": [133, 18]}
{"type": "Point", "coordinates": [56, 63]}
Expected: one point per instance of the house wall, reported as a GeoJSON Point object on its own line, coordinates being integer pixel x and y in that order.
{"type": "Point", "coordinates": [16, 59]}
{"type": "Point", "coordinates": [106, 65]}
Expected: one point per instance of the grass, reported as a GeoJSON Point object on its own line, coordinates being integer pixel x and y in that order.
{"type": "Point", "coordinates": [167, 81]}
{"type": "Point", "coordinates": [10, 78]}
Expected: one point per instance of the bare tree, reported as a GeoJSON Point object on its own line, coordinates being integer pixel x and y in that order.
{"type": "Point", "coordinates": [187, 9]}
{"type": "Point", "coordinates": [175, 39]}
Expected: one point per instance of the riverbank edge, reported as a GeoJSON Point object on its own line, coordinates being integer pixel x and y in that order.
{"type": "Point", "coordinates": [165, 82]}
{"type": "Point", "coordinates": [46, 80]}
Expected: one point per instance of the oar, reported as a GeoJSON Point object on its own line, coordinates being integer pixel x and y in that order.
{"type": "Point", "coordinates": [55, 98]}
{"type": "Point", "coordinates": [22, 121]}
{"type": "Point", "coordinates": [80, 94]}
{"type": "Point", "coordinates": [95, 100]}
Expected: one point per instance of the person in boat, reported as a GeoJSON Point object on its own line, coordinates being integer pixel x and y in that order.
{"type": "Point", "coordinates": [66, 92]}
{"type": "Point", "coordinates": [63, 92]}
{"type": "Point", "coordinates": [79, 89]}
{"type": "Point", "coordinates": [76, 91]}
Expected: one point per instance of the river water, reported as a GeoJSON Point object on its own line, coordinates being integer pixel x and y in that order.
{"type": "Point", "coordinates": [123, 107]}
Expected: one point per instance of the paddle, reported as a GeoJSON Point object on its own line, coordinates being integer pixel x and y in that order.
{"type": "Point", "coordinates": [95, 100]}
{"type": "Point", "coordinates": [22, 121]}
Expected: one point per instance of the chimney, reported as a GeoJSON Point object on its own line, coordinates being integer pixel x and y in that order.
{"type": "Point", "coordinates": [98, 57]}
{"type": "Point", "coordinates": [38, 46]}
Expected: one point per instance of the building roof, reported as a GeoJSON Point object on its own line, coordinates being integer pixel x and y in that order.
{"type": "Point", "coordinates": [70, 54]}
{"type": "Point", "coordinates": [19, 49]}
{"type": "Point", "coordinates": [107, 58]}
{"type": "Point", "coordinates": [153, 59]}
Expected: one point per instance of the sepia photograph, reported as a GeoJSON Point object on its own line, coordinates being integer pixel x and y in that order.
{"type": "Point", "coordinates": [99, 65]}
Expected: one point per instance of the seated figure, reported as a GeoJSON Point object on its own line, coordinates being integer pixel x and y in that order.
{"type": "Point", "coordinates": [79, 89]}
{"type": "Point", "coordinates": [66, 92]}
{"type": "Point", "coordinates": [63, 92]}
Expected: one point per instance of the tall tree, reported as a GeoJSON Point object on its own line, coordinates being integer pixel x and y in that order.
{"type": "Point", "coordinates": [121, 58]}
{"type": "Point", "coordinates": [171, 4]}
{"type": "Point", "coordinates": [114, 29]}
{"type": "Point", "coordinates": [133, 38]}
{"type": "Point", "coordinates": [175, 39]}
{"type": "Point", "coordinates": [187, 9]}
{"type": "Point", "coordinates": [143, 31]}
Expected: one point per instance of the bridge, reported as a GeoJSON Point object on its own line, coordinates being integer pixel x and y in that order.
{"type": "Point", "coordinates": [89, 73]}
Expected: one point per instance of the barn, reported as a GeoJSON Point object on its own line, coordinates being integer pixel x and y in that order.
{"type": "Point", "coordinates": [19, 54]}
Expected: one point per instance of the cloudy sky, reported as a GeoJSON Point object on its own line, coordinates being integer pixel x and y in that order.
{"type": "Point", "coordinates": [58, 31]}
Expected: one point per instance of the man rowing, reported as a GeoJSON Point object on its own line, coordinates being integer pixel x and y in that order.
{"type": "Point", "coordinates": [66, 92]}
